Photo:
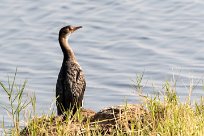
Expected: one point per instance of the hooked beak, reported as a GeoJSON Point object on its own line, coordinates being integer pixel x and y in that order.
{"type": "Point", "coordinates": [75, 28]}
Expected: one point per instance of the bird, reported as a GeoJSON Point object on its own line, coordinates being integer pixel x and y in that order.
{"type": "Point", "coordinates": [71, 83]}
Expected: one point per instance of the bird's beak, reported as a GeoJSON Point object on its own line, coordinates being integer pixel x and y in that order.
{"type": "Point", "coordinates": [75, 28]}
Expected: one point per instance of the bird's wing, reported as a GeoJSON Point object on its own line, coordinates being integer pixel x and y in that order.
{"type": "Point", "coordinates": [78, 84]}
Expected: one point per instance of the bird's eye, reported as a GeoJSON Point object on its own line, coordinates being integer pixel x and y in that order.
{"type": "Point", "coordinates": [70, 28]}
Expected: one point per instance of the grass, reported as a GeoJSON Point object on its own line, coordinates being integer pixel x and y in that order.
{"type": "Point", "coordinates": [157, 116]}
{"type": "Point", "coordinates": [16, 105]}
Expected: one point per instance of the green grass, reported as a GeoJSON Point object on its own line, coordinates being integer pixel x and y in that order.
{"type": "Point", "coordinates": [157, 116]}
{"type": "Point", "coordinates": [16, 105]}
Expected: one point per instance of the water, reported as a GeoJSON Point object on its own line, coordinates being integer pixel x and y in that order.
{"type": "Point", "coordinates": [119, 39]}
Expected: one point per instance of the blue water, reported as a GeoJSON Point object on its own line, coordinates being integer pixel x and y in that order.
{"type": "Point", "coordinates": [119, 39]}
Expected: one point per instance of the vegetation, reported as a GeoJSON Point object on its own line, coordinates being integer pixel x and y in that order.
{"type": "Point", "coordinates": [16, 105]}
{"type": "Point", "coordinates": [157, 116]}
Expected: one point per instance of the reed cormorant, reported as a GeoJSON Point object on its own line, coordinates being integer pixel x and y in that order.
{"type": "Point", "coordinates": [71, 82]}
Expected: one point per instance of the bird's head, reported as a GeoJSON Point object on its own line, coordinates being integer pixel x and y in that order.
{"type": "Point", "coordinates": [67, 30]}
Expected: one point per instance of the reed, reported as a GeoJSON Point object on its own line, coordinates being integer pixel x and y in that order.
{"type": "Point", "coordinates": [16, 104]}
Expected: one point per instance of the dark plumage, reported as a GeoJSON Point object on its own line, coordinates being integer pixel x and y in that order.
{"type": "Point", "coordinates": [71, 82]}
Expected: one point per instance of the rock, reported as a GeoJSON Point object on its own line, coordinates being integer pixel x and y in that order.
{"type": "Point", "coordinates": [122, 115]}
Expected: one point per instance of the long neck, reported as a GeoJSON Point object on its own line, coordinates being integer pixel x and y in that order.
{"type": "Point", "coordinates": [66, 48]}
